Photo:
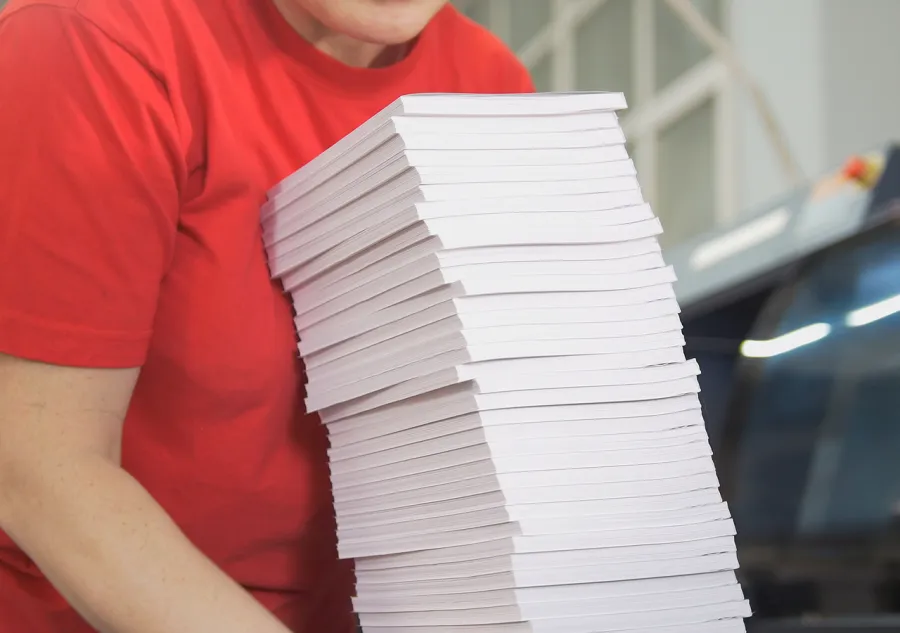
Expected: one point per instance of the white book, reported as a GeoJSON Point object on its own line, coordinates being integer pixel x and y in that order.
{"type": "Point", "coordinates": [428, 469]}
{"type": "Point", "coordinates": [402, 536]}
{"type": "Point", "coordinates": [526, 430]}
{"type": "Point", "coordinates": [561, 575]}
{"type": "Point", "coordinates": [530, 157]}
{"type": "Point", "coordinates": [401, 250]}
{"type": "Point", "coordinates": [633, 591]}
{"type": "Point", "coordinates": [460, 400]}
{"type": "Point", "coordinates": [686, 478]}
{"type": "Point", "coordinates": [534, 600]}
{"type": "Point", "coordinates": [336, 205]}
{"type": "Point", "coordinates": [410, 282]}
{"type": "Point", "coordinates": [511, 399]}
{"type": "Point", "coordinates": [394, 176]}
{"type": "Point", "coordinates": [430, 364]}
{"type": "Point", "coordinates": [689, 617]}
{"type": "Point", "coordinates": [474, 124]}
{"type": "Point", "coordinates": [557, 610]}
{"type": "Point", "coordinates": [718, 625]}
{"type": "Point", "coordinates": [395, 195]}
{"type": "Point", "coordinates": [428, 341]}
{"type": "Point", "coordinates": [407, 380]}
{"type": "Point", "coordinates": [593, 501]}
{"type": "Point", "coordinates": [459, 272]}
{"type": "Point", "coordinates": [470, 315]}
{"type": "Point", "coordinates": [398, 130]}
{"type": "Point", "coordinates": [460, 366]}
{"type": "Point", "coordinates": [685, 540]}
{"type": "Point", "coordinates": [314, 296]}
{"type": "Point", "coordinates": [275, 224]}
{"type": "Point", "coordinates": [486, 330]}
{"type": "Point", "coordinates": [440, 105]}
{"type": "Point", "coordinates": [488, 231]}
{"type": "Point", "coordinates": [518, 548]}
{"type": "Point", "coordinates": [572, 540]}
{"type": "Point", "coordinates": [502, 444]}
{"type": "Point", "coordinates": [475, 345]}
{"type": "Point", "coordinates": [395, 136]}
{"type": "Point", "coordinates": [478, 478]}
{"type": "Point", "coordinates": [360, 188]}
{"type": "Point", "coordinates": [378, 129]}
{"type": "Point", "coordinates": [386, 231]}
{"type": "Point", "coordinates": [650, 477]}
{"type": "Point", "coordinates": [345, 326]}
{"type": "Point", "coordinates": [491, 337]}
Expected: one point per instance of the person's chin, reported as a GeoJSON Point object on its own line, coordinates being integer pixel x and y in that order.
{"type": "Point", "coordinates": [395, 22]}
{"type": "Point", "coordinates": [388, 35]}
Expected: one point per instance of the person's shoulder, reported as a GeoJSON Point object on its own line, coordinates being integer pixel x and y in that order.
{"type": "Point", "coordinates": [479, 53]}
{"type": "Point", "coordinates": [467, 36]}
{"type": "Point", "coordinates": [121, 15]}
{"type": "Point", "coordinates": [14, 6]}
{"type": "Point", "coordinates": [142, 28]}
{"type": "Point", "coordinates": [462, 37]}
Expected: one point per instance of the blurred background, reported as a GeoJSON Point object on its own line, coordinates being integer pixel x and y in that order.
{"type": "Point", "coordinates": [762, 131]}
{"type": "Point", "coordinates": [827, 67]}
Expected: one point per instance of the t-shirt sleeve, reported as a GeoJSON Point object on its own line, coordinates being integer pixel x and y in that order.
{"type": "Point", "coordinates": [507, 74]}
{"type": "Point", "coordinates": [90, 175]}
{"type": "Point", "coordinates": [486, 61]}
{"type": "Point", "coordinates": [514, 76]}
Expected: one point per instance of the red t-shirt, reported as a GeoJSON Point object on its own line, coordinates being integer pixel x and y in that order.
{"type": "Point", "coordinates": [137, 141]}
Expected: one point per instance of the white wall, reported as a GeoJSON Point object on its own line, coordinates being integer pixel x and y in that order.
{"type": "Point", "coordinates": [830, 71]}
{"type": "Point", "coordinates": [862, 74]}
{"type": "Point", "coordinates": [780, 43]}
{"type": "Point", "coordinates": [828, 67]}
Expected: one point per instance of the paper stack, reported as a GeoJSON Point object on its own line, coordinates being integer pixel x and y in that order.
{"type": "Point", "coordinates": [492, 339]}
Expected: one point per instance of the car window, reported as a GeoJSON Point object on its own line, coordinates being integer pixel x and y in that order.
{"type": "Point", "coordinates": [819, 450]}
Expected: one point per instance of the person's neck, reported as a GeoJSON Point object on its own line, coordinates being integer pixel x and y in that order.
{"type": "Point", "coordinates": [341, 47]}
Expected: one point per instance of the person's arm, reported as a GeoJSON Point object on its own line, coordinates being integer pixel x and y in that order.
{"type": "Point", "coordinates": [92, 171]}
{"type": "Point", "coordinates": [99, 537]}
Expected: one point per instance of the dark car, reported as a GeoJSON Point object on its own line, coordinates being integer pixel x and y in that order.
{"type": "Point", "coordinates": [801, 382]}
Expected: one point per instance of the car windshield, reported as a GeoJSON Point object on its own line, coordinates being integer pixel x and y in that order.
{"type": "Point", "coordinates": [819, 448]}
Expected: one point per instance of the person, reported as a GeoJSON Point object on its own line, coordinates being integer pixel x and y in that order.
{"type": "Point", "coordinates": [157, 471]}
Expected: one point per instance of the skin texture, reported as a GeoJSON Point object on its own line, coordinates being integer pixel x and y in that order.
{"type": "Point", "coordinates": [360, 32]}
{"type": "Point", "coordinates": [64, 498]}
{"type": "Point", "coordinates": [87, 524]}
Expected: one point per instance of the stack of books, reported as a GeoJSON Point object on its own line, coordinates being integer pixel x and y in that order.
{"type": "Point", "coordinates": [491, 336]}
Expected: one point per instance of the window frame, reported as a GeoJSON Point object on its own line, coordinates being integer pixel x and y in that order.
{"type": "Point", "coordinates": [655, 110]}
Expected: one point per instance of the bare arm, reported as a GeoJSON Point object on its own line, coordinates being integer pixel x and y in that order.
{"type": "Point", "coordinates": [100, 538]}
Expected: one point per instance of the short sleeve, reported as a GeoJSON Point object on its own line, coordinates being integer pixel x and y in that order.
{"type": "Point", "coordinates": [90, 173]}
{"type": "Point", "coordinates": [515, 78]}
{"type": "Point", "coordinates": [481, 57]}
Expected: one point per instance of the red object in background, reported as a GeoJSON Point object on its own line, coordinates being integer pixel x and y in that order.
{"type": "Point", "coordinates": [856, 168]}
